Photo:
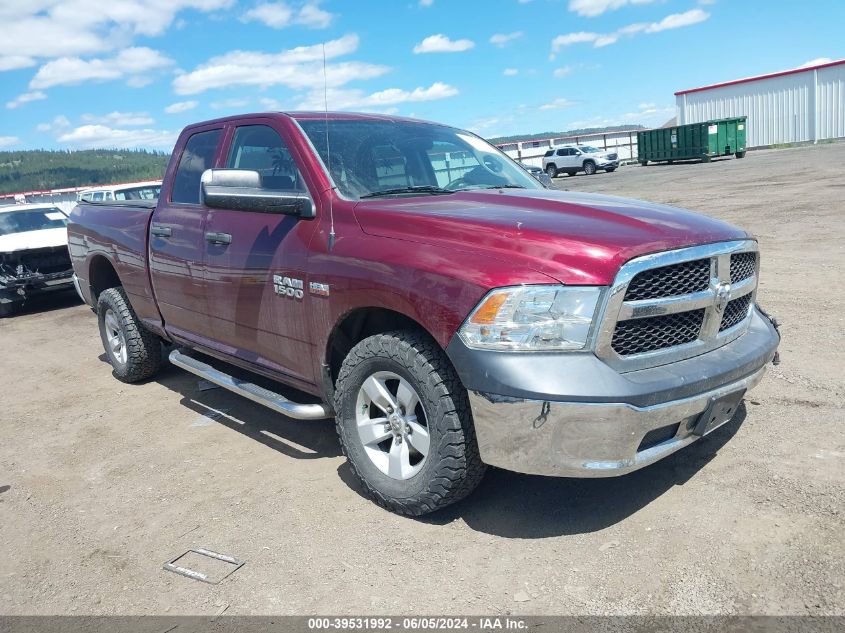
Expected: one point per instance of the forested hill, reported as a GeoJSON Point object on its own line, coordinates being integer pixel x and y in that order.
{"type": "Point", "coordinates": [44, 169]}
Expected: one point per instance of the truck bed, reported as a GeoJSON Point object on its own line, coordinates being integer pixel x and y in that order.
{"type": "Point", "coordinates": [117, 231]}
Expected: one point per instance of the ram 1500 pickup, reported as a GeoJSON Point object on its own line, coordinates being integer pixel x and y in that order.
{"type": "Point", "coordinates": [414, 283]}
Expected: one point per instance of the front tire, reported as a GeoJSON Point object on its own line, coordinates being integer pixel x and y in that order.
{"type": "Point", "coordinates": [551, 171]}
{"type": "Point", "coordinates": [405, 425]}
{"type": "Point", "coordinates": [133, 351]}
{"type": "Point", "coordinates": [589, 168]}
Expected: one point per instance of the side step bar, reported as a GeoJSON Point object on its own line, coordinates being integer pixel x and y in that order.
{"type": "Point", "coordinates": [255, 393]}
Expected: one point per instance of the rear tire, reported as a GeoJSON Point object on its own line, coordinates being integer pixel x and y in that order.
{"type": "Point", "coordinates": [589, 167]}
{"type": "Point", "coordinates": [133, 351]}
{"type": "Point", "coordinates": [423, 456]}
{"type": "Point", "coordinates": [551, 170]}
{"type": "Point", "coordinates": [740, 154]}
{"type": "Point", "coordinates": [610, 170]}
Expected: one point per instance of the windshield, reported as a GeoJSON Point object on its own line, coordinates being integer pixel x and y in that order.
{"type": "Point", "coordinates": [588, 149]}
{"type": "Point", "coordinates": [369, 158]}
{"type": "Point", "coordinates": [31, 220]}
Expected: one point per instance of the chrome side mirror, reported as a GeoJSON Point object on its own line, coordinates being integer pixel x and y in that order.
{"type": "Point", "coordinates": [241, 190]}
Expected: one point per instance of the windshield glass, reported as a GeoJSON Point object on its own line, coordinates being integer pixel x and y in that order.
{"type": "Point", "coordinates": [368, 157]}
{"type": "Point", "coordinates": [588, 149]}
{"type": "Point", "coordinates": [31, 220]}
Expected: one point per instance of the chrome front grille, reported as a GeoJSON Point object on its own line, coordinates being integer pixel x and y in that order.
{"type": "Point", "coordinates": [645, 335]}
{"type": "Point", "coordinates": [677, 304]}
{"type": "Point", "coordinates": [669, 281]}
{"type": "Point", "coordinates": [743, 265]}
{"type": "Point", "coordinates": [735, 312]}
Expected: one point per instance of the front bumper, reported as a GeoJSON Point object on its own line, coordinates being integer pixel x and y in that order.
{"type": "Point", "coordinates": [18, 288]}
{"type": "Point", "coordinates": [572, 415]}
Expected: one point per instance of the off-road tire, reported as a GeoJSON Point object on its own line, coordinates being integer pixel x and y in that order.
{"type": "Point", "coordinates": [551, 171]}
{"type": "Point", "coordinates": [589, 167]}
{"type": "Point", "coordinates": [453, 467]}
{"type": "Point", "coordinates": [143, 348]}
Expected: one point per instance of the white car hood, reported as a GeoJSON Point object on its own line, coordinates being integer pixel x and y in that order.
{"type": "Point", "coordinates": [33, 239]}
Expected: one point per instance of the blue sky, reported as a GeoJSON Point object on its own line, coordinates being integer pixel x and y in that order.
{"type": "Point", "coordinates": [131, 73]}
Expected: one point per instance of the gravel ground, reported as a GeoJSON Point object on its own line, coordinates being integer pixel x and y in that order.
{"type": "Point", "coordinates": [101, 482]}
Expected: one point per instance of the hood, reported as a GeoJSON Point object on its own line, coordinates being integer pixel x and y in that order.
{"type": "Point", "coordinates": [576, 238]}
{"type": "Point", "coordinates": [33, 239]}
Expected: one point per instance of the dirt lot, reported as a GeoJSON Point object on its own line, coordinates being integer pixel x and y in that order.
{"type": "Point", "coordinates": [101, 483]}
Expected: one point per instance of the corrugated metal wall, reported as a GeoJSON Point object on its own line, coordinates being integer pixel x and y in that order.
{"type": "Point", "coordinates": [831, 95]}
{"type": "Point", "coordinates": [785, 109]}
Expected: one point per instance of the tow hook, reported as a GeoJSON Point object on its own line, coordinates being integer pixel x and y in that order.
{"type": "Point", "coordinates": [776, 325]}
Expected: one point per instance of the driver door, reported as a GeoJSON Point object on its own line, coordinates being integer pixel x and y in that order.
{"type": "Point", "coordinates": [253, 318]}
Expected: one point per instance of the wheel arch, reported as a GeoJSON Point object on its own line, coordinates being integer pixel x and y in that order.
{"type": "Point", "coordinates": [356, 325]}
{"type": "Point", "coordinates": [102, 275]}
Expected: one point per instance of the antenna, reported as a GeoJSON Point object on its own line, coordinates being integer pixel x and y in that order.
{"type": "Point", "coordinates": [328, 149]}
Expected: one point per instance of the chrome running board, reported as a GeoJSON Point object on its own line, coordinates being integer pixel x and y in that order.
{"type": "Point", "coordinates": [262, 396]}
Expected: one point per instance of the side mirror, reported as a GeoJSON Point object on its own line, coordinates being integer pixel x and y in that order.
{"type": "Point", "coordinates": [241, 190]}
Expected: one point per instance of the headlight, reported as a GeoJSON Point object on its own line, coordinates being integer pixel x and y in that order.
{"type": "Point", "coordinates": [532, 318]}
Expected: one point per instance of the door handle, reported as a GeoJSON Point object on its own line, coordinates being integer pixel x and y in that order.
{"type": "Point", "coordinates": [218, 238]}
{"type": "Point", "coordinates": [161, 231]}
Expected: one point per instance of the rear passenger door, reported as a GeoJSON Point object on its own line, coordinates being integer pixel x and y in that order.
{"type": "Point", "coordinates": [177, 241]}
{"type": "Point", "coordinates": [254, 258]}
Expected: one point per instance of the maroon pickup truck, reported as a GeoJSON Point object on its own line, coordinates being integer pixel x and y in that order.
{"type": "Point", "coordinates": [414, 283]}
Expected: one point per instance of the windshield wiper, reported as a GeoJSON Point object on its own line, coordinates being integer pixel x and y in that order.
{"type": "Point", "coordinates": [399, 190]}
{"type": "Point", "coordinates": [504, 187]}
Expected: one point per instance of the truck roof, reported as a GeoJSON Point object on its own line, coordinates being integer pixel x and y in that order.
{"type": "Point", "coordinates": [314, 115]}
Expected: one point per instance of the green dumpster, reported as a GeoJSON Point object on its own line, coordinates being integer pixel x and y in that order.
{"type": "Point", "coordinates": [705, 140]}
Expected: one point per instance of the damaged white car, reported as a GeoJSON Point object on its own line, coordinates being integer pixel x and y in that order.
{"type": "Point", "coordinates": [33, 254]}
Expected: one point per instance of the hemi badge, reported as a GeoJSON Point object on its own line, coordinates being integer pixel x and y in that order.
{"type": "Point", "coordinates": [319, 289]}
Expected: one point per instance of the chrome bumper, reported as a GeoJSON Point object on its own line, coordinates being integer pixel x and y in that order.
{"type": "Point", "coordinates": [579, 439]}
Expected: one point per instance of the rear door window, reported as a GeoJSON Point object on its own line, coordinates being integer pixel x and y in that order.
{"type": "Point", "coordinates": [197, 156]}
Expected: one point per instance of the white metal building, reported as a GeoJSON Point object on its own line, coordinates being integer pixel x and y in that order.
{"type": "Point", "coordinates": [794, 106]}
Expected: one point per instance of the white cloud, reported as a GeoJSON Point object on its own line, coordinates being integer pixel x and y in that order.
{"type": "Point", "coordinates": [510, 72]}
{"type": "Point", "coordinates": [128, 119]}
{"type": "Point", "coordinates": [592, 8]}
{"type": "Point", "coordinates": [181, 106]}
{"type": "Point", "coordinates": [8, 141]}
{"type": "Point", "coordinates": [61, 122]}
{"type": "Point", "coordinates": [818, 61]}
{"type": "Point", "coordinates": [563, 71]}
{"type": "Point", "coordinates": [25, 98]}
{"type": "Point", "coordinates": [13, 62]}
{"type": "Point", "coordinates": [279, 15]}
{"type": "Point", "coordinates": [130, 62]}
{"type": "Point", "coordinates": [297, 68]}
{"type": "Point", "coordinates": [426, 3]}
{"type": "Point", "coordinates": [503, 39]}
{"type": "Point", "coordinates": [557, 104]}
{"type": "Point", "coordinates": [90, 136]}
{"type": "Point", "coordinates": [439, 43]}
{"type": "Point", "coordinates": [229, 104]}
{"type": "Point", "coordinates": [45, 29]}
{"type": "Point", "coordinates": [573, 38]}
{"type": "Point", "coordinates": [678, 20]}
{"type": "Point", "coordinates": [673, 21]}
{"type": "Point", "coordinates": [347, 99]}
